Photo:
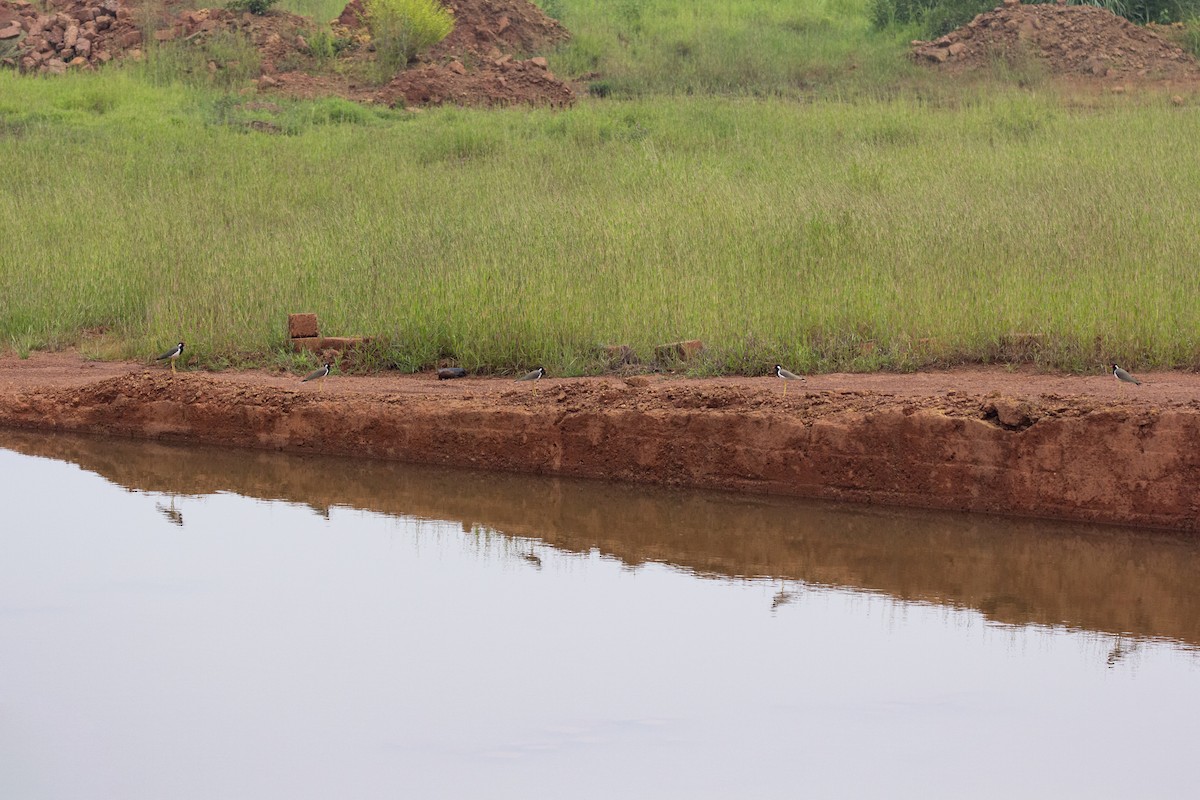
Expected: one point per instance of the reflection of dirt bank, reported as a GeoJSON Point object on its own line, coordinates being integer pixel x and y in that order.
{"type": "Point", "coordinates": [1132, 460]}
{"type": "Point", "coordinates": [1012, 571]}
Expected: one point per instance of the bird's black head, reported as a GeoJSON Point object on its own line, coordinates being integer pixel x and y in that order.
{"type": "Point", "coordinates": [778, 368]}
{"type": "Point", "coordinates": [1115, 367]}
{"type": "Point", "coordinates": [181, 347]}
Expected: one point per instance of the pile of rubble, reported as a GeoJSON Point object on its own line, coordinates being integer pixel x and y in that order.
{"type": "Point", "coordinates": [71, 33]}
{"type": "Point", "coordinates": [1079, 41]}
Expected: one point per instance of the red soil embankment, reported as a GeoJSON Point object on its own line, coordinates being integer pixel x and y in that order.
{"type": "Point", "coordinates": [973, 439]}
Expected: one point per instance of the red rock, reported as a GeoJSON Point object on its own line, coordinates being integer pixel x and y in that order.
{"type": "Point", "coordinates": [457, 67]}
{"type": "Point", "coordinates": [165, 35]}
{"type": "Point", "coordinates": [957, 49]}
{"type": "Point", "coordinates": [12, 31]}
{"type": "Point", "coordinates": [539, 62]}
{"type": "Point", "coordinates": [302, 325]}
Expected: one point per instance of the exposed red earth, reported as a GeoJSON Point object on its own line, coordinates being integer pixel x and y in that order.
{"type": "Point", "coordinates": [1079, 42]}
{"type": "Point", "coordinates": [490, 59]}
{"type": "Point", "coordinates": [980, 439]}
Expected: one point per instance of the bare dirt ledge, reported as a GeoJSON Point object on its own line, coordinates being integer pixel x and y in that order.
{"type": "Point", "coordinates": [972, 439]}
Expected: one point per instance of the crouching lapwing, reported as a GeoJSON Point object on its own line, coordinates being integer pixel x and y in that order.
{"type": "Point", "coordinates": [323, 372]}
{"type": "Point", "coordinates": [174, 353]}
{"type": "Point", "coordinates": [1122, 375]}
{"type": "Point", "coordinates": [786, 376]}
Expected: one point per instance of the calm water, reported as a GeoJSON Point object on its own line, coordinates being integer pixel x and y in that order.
{"type": "Point", "coordinates": [196, 623]}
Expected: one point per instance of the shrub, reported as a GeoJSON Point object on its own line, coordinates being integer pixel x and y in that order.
{"type": "Point", "coordinates": [402, 28]}
{"type": "Point", "coordinates": [258, 7]}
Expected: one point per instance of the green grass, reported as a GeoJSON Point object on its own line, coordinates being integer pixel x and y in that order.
{"type": "Point", "coordinates": [772, 230]}
{"type": "Point", "coordinates": [740, 47]}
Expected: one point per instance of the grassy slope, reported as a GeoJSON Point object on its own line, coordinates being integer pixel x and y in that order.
{"type": "Point", "coordinates": [771, 229]}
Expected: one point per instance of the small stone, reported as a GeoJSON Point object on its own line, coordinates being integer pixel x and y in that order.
{"type": "Point", "coordinates": [957, 49]}
{"type": "Point", "coordinates": [1011, 3]}
{"type": "Point", "coordinates": [502, 26]}
{"type": "Point", "coordinates": [267, 82]}
{"type": "Point", "coordinates": [83, 47]}
{"type": "Point", "coordinates": [103, 22]}
{"type": "Point", "coordinates": [301, 43]}
{"type": "Point", "coordinates": [1177, 100]}
{"type": "Point", "coordinates": [457, 67]}
{"type": "Point", "coordinates": [56, 66]}
{"type": "Point", "coordinates": [12, 31]}
{"type": "Point", "coordinates": [539, 62]}
{"type": "Point", "coordinates": [165, 35]}
{"type": "Point", "coordinates": [78, 61]}
{"type": "Point", "coordinates": [130, 39]}
{"type": "Point", "coordinates": [937, 54]}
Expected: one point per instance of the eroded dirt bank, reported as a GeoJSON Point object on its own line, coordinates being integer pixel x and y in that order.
{"type": "Point", "coordinates": [983, 440]}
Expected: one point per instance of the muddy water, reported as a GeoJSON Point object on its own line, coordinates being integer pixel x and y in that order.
{"type": "Point", "coordinates": [197, 623]}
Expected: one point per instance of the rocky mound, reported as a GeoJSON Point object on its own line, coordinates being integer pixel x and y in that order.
{"type": "Point", "coordinates": [87, 33]}
{"type": "Point", "coordinates": [65, 33]}
{"type": "Point", "coordinates": [478, 64]}
{"type": "Point", "coordinates": [1081, 41]}
{"type": "Point", "coordinates": [485, 28]}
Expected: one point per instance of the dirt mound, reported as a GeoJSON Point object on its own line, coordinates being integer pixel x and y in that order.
{"type": "Point", "coordinates": [1077, 41]}
{"type": "Point", "coordinates": [487, 28]}
{"type": "Point", "coordinates": [278, 36]}
{"type": "Point", "coordinates": [504, 82]}
{"type": "Point", "coordinates": [478, 64]}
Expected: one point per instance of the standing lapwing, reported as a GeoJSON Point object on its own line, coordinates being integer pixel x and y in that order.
{"type": "Point", "coordinates": [535, 376]}
{"type": "Point", "coordinates": [174, 353]}
{"type": "Point", "coordinates": [786, 376]}
{"type": "Point", "coordinates": [323, 372]}
{"type": "Point", "coordinates": [1122, 375]}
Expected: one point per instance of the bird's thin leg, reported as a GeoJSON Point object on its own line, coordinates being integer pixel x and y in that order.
{"type": "Point", "coordinates": [785, 388]}
{"type": "Point", "coordinates": [172, 366]}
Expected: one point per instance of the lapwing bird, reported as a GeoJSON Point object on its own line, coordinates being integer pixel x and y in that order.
{"type": "Point", "coordinates": [173, 515]}
{"type": "Point", "coordinates": [1122, 375]}
{"type": "Point", "coordinates": [533, 376]}
{"type": "Point", "coordinates": [323, 372]}
{"type": "Point", "coordinates": [174, 353]}
{"type": "Point", "coordinates": [786, 376]}
{"type": "Point", "coordinates": [536, 375]}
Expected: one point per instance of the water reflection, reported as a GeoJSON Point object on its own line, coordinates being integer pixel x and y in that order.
{"type": "Point", "coordinates": [373, 630]}
{"type": "Point", "coordinates": [1016, 572]}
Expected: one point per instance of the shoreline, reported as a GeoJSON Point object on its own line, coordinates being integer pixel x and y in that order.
{"type": "Point", "coordinates": [972, 439]}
